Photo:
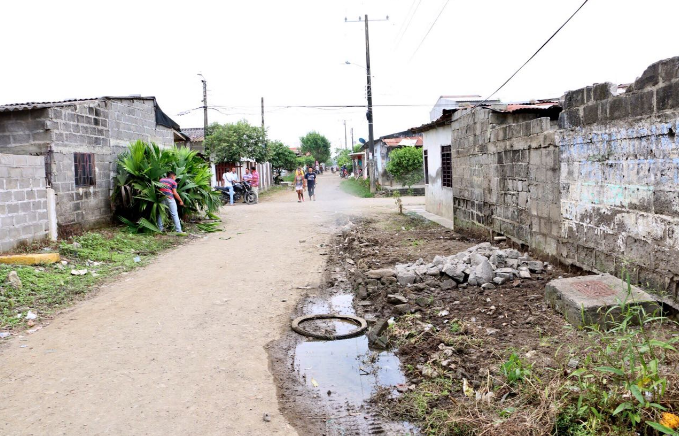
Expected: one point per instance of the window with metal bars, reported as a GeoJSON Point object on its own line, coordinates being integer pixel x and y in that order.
{"type": "Point", "coordinates": [446, 167]}
{"type": "Point", "coordinates": [83, 164]}
{"type": "Point", "coordinates": [426, 167]}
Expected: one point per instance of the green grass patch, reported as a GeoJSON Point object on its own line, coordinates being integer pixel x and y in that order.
{"type": "Point", "coordinates": [103, 254]}
{"type": "Point", "coordinates": [289, 177]}
{"type": "Point", "coordinates": [359, 188]}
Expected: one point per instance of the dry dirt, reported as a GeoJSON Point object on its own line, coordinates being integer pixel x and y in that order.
{"type": "Point", "coordinates": [179, 347]}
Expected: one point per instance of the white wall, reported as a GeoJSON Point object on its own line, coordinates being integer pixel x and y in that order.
{"type": "Point", "coordinates": [438, 200]}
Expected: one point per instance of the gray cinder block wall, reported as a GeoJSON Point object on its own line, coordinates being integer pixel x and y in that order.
{"type": "Point", "coordinates": [619, 180]}
{"type": "Point", "coordinates": [103, 126]}
{"type": "Point", "coordinates": [505, 175]}
{"type": "Point", "coordinates": [23, 200]}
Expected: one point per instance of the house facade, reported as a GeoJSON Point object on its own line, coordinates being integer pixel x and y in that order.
{"type": "Point", "coordinates": [80, 141]}
{"type": "Point", "coordinates": [388, 143]}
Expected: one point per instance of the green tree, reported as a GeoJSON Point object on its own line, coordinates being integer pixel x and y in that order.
{"type": "Point", "coordinates": [233, 142]}
{"type": "Point", "coordinates": [305, 160]}
{"type": "Point", "coordinates": [342, 158]}
{"type": "Point", "coordinates": [405, 165]}
{"type": "Point", "coordinates": [281, 157]}
{"type": "Point", "coordinates": [316, 144]}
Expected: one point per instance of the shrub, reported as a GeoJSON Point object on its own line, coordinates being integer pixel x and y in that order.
{"type": "Point", "coordinates": [136, 197]}
{"type": "Point", "coordinates": [405, 165]}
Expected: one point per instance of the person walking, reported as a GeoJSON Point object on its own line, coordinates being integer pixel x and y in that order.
{"type": "Point", "coordinates": [310, 178]}
{"type": "Point", "coordinates": [169, 190]}
{"type": "Point", "coordinates": [300, 184]}
{"type": "Point", "coordinates": [229, 178]}
{"type": "Point", "coordinates": [255, 183]}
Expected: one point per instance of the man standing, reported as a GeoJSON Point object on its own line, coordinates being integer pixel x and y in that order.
{"type": "Point", "coordinates": [254, 183]}
{"type": "Point", "coordinates": [229, 178]}
{"type": "Point", "coordinates": [169, 190]}
{"type": "Point", "coordinates": [310, 177]}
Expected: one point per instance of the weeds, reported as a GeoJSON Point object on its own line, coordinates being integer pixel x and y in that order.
{"type": "Point", "coordinates": [357, 187]}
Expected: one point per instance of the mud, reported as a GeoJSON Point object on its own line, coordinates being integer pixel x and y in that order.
{"type": "Point", "coordinates": [324, 386]}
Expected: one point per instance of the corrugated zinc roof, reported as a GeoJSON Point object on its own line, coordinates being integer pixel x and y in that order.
{"type": "Point", "coordinates": [14, 107]}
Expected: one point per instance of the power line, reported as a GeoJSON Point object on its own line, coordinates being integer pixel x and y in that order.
{"type": "Point", "coordinates": [432, 26]}
{"type": "Point", "coordinates": [534, 54]}
{"type": "Point", "coordinates": [408, 23]}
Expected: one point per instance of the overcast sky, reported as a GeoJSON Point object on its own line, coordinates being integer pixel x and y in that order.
{"type": "Point", "coordinates": [294, 52]}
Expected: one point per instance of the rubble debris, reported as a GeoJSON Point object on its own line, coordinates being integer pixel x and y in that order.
{"type": "Point", "coordinates": [14, 280]}
{"type": "Point", "coordinates": [482, 265]}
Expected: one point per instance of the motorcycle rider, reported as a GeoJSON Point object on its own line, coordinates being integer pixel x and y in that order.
{"type": "Point", "coordinates": [229, 179]}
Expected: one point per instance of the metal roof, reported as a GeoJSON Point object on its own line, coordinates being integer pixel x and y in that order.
{"type": "Point", "coordinates": [195, 133]}
{"type": "Point", "coordinates": [407, 141]}
{"type": "Point", "coordinates": [15, 107]}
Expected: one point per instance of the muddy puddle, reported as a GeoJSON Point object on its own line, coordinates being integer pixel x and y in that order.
{"type": "Point", "coordinates": [347, 368]}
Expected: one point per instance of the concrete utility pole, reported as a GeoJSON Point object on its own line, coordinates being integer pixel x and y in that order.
{"type": "Point", "coordinates": [369, 114]}
{"type": "Point", "coordinates": [204, 106]}
{"type": "Point", "coordinates": [262, 113]}
{"type": "Point", "coordinates": [371, 139]}
{"type": "Point", "coordinates": [352, 138]}
{"type": "Point", "coordinates": [345, 134]}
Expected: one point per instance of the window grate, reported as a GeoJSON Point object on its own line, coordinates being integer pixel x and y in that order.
{"type": "Point", "coordinates": [426, 167]}
{"type": "Point", "coordinates": [84, 169]}
{"type": "Point", "coordinates": [446, 166]}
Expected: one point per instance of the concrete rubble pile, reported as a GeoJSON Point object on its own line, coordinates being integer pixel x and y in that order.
{"type": "Point", "coordinates": [481, 265]}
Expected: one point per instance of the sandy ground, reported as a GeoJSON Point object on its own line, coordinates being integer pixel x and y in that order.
{"type": "Point", "coordinates": [178, 347]}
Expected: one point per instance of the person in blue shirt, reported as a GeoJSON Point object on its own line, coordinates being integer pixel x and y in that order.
{"type": "Point", "coordinates": [310, 177]}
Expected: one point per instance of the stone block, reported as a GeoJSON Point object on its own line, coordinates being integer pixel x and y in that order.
{"type": "Point", "coordinates": [667, 97]}
{"type": "Point", "coordinates": [604, 91]}
{"type": "Point", "coordinates": [669, 69]}
{"type": "Point", "coordinates": [594, 300]}
{"type": "Point", "coordinates": [574, 98]}
{"type": "Point", "coordinates": [641, 103]}
{"type": "Point", "coordinates": [649, 78]}
{"type": "Point", "coordinates": [618, 108]}
{"type": "Point", "coordinates": [591, 113]}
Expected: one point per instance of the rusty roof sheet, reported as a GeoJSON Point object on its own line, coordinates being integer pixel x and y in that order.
{"type": "Point", "coordinates": [408, 140]}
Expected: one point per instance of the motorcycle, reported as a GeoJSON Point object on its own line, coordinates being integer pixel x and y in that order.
{"type": "Point", "coordinates": [240, 190]}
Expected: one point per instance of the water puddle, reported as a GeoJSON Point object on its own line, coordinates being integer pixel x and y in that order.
{"type": "Point", "coordinates": [348, 368]}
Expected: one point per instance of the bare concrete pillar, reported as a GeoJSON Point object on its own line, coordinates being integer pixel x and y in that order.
{"type": "Point", "coordinates": [52, 213]}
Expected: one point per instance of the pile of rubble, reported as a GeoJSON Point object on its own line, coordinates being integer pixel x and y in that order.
{"type": "Point", "coordinates": [481, 265]}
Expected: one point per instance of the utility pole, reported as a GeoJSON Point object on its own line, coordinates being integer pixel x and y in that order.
{"type": "Point", "coordinates": [345, 134]}
{"type": "Point", "coordinates": [204, 106]}
{"type": "Point", "coordinates": [371, 139]}
{"type": "Point", "coordinates": [369, 114]}
{"type": "Point", "coordinates": [352, 138]}
{"type": "Point", "coordinates": [262, 113]}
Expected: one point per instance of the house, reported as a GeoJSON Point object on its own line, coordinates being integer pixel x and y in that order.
{"type": "Point", "coordinates": [79, 142]}
{"type": "Point", "coordinates": [476, 163]}
{"type": "Point", "coordinates": [196, 137]}
{"type": "Point", "coordinates": [388, 143]}
{"type": "Point", "coordinates": [359, 162]}
{"type": "Point", "coordinates": [456, 102]}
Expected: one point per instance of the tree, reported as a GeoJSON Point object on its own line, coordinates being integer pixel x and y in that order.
{"type": "Point", "coordinates": [342, 157]}
{"type": "Point", "coordinates": [306, 160]}
{"type": "Point", "coordinates": [316, 144]}
{"type": "Point", "coordinates": [405, 165]}
{"type": "Point", "coordinates": [233, 142]}
{"type": "Point", "coordinates": [281, 157]}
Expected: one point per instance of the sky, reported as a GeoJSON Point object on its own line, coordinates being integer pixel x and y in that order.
{"type": "Point", "coordinates": [294, 53]}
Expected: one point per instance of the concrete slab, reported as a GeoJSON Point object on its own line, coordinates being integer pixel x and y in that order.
{"type": "Point", "coordinates": [419, 210]}
{"type": "Point", "coordinates": [30, 259]}
{"type": "Point", "coordinates": [587, 300]}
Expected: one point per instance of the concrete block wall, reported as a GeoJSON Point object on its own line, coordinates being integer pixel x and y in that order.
{"type": "Point", "coordinates": [619, 178]}
{"type": "Point", "coordinates": [105, 128]}
{"type": "Point", "coordinates": [23, 200]}
{"type": "Point", "coordinates": [24, 132]}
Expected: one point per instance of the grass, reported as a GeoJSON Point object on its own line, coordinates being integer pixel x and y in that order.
{"type": "Point", "coordinates": [289, 177]}
{"type": "Point", "coordinates": [359, 188]}
{"type": "Point", "coordinates": [102, 253]}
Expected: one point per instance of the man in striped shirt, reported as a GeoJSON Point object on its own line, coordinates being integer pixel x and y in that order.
{"type": "Point", "coordinates": [169, 190]}
{"type": "Point", "coordinates": [254, 182]}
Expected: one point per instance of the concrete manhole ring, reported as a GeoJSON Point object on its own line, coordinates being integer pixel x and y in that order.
{"type": "Point", "coordinates": [359, 322]}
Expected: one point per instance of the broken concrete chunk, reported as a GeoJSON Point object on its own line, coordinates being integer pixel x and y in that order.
{"type": "Point", "coordinates": [535, 266]}
{"type": "Point", "coordinates": [380, 273]}
{"type": "Point", "coordinates": [14, 280]}
{"type": "Point", "coordinates": [406, 278]}
{"type": "Point", "coordinates": [448, 284]}
{"type": "Point", "coordinates": [512, 254]}
{"type": "Point", "coordinates": [402, 309]}
{"type": "Point", "coordinates": [434, 271]}
{"type": "Point", "coordinates": [484, 272]}
{"type": "Point", "coordinates": [487, 286]}
{"type": "Point", "coordinates": [438, 261]}
{"type": "Point", "coordinates": [499, 280]}
{"type": "Point", "coordinates": [455, 271]}
{"type": "Point", "coordinates": [524, 274]}
{"type": "Point", "coordinates": [396, 299]}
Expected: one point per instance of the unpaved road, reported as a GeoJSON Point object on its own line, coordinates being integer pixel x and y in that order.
{"type": "Point", "coordinates": [178, 347]}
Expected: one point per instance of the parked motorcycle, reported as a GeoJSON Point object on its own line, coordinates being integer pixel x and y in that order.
{"type": "Point", "coordinates": [240, 190]}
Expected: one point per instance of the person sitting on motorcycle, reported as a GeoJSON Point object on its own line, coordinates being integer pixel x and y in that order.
{"type": "Point", "coordinates": [247, 177]}
{"type": "Point", "coordinates": [229, 178]}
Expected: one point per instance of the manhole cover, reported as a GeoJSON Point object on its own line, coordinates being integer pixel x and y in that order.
{"type": "Point", "coordinates": [594, 289]}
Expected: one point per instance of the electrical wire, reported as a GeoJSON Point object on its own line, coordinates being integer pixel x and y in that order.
{"type": "Point", "coordinates": [531, 58]}
{"type": "Point", "coordinates": [408, 23]}
{"type": "Point", "coordinates": [431, 27]}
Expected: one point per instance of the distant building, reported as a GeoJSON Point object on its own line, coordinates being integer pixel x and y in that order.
{"type": "Point", "coordinates": [196, 137]}
{"type": "Point", "coordinates": [388, 143]}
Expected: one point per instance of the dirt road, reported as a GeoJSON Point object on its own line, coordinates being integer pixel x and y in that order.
{"type": "Point", "coordinates": [178, 347]}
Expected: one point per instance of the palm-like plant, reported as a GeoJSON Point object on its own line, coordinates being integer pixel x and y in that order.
{"type": "Point", "coordinates": [137, 199]}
